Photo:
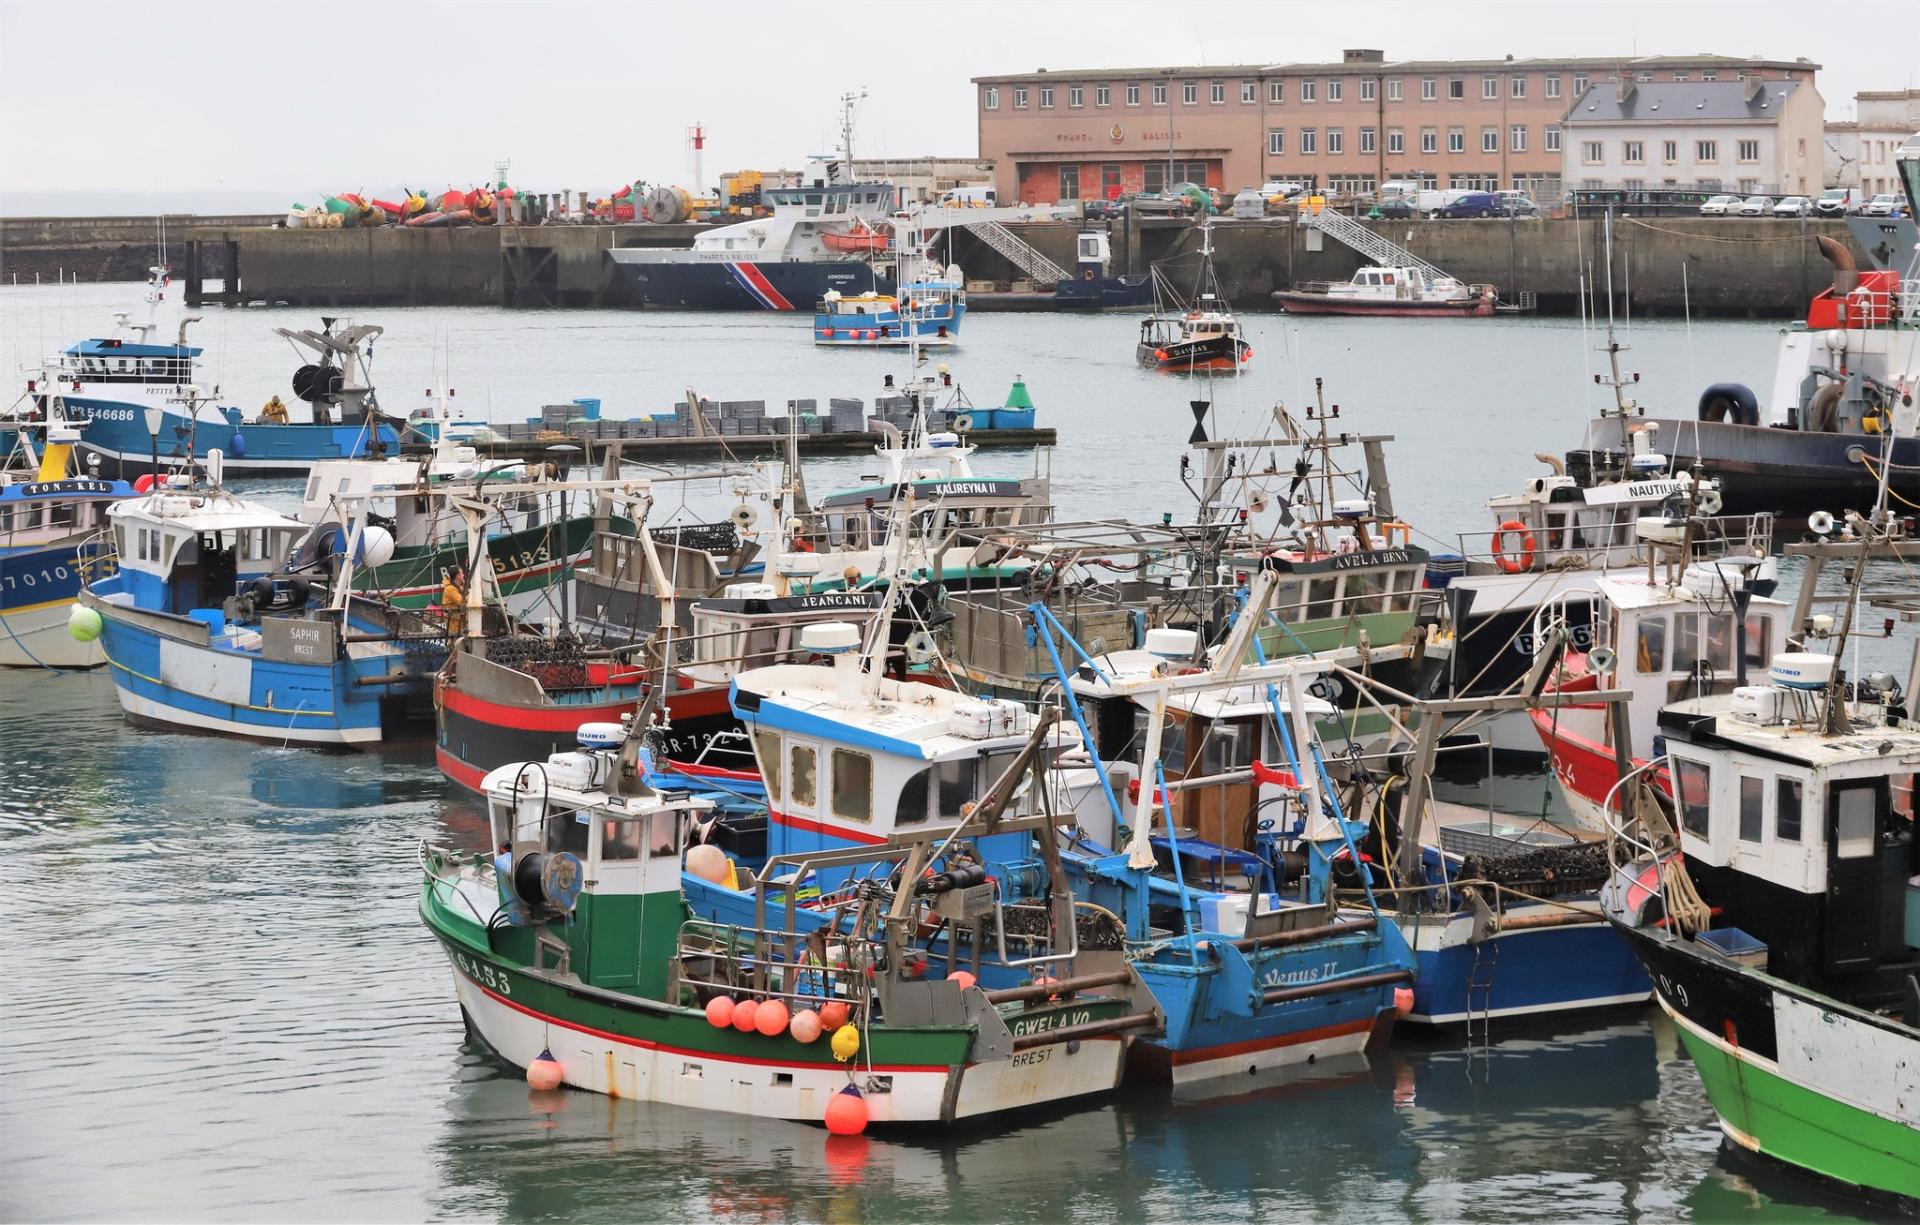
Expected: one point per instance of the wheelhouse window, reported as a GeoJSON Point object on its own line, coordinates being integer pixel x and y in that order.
{"type": "Point", "coordinates": [1788, 794]}
{"type": "Point", "coordinates": [912, 806]}
{"type": "Point", "coordinates": [621, 839]}
{"type": "Point", "coordinates": [567, 831]}
{"type": "Point", "coordinates": [1650, 647]}
{"type": "Point", "coordinates": [1752, 798]}
{"type": "Point", "coordinates": [953, 787]}
{"type": "Point", "coordinates": [852, 785]}
{"type": "Point", "coordinates": [1759, 631]}
{"type": "Point", "coordinates": [804, 766]}
{"type": "Point", "coordinates": [766, 747]}
{"type": "Point", "coordinates": [1853, 824]}
{"type": "Point", "coordinates": [1696, 784]}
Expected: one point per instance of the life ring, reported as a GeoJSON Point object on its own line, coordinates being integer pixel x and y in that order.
{"type": "Point", "coordinates": [1509, 563]}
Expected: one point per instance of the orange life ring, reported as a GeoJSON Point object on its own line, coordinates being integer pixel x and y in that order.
{"type": "Point", "coordinates": [1510, 564]}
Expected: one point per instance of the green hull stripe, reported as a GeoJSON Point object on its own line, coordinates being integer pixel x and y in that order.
{"type": "Point", "coordinates": [1801, 1126]}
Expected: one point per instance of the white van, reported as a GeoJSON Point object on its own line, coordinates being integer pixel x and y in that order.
{"type": "Point", "coordinates": [1399, 189]}
{"type": "Point", "coordinates": [1429, 202]}
{"type": "Point", "coordinates": [968, 197]}
{"type": "Point", "coordinates": [1839, 202]}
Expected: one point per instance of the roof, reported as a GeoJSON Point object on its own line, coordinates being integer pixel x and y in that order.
{"type": "Point", "coordinates": [1682, 102]}
{"type": "Point", "coordinates": [109, 347]}
{"type": "Point", "coordinates": [1367, 68]}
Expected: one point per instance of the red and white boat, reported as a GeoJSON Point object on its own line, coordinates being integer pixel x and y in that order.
{"type": "Point", "coordinates": [1378, 290]}
{"type": "Point", "coordinates": [1665, 640]}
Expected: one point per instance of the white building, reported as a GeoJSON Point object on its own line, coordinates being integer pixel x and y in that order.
{"type": "Point", "coordinates": [1860, 153]}
{"type": "Point", "coordinates": [1751, 136]}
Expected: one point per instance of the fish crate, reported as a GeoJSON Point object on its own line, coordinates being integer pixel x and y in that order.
{"type": "Point", "coordinates": [1732, 944]}
{"type": "Point", "coordinates": [1500, 842]}
{"type": "Point", "coordinates": [839, 402]}
{"type": "Point", "coordinates": [805, 406]}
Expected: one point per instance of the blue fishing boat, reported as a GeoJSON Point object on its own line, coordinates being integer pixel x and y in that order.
{"type": "Point", "coordinates": [929, 311]}
{"type": "Point", "coordinates": [219, 614]}
{"type": "Point", "coordinates": [137, 407]}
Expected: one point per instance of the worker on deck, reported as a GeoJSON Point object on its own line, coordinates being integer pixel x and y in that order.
{"type": "Point", "coordinates": [274, 412]}
{"type": "Point", "coordinates": [453, 592]}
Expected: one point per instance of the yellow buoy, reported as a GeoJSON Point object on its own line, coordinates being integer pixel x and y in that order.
{"type": "Point", "coordinates": [846, 1043]}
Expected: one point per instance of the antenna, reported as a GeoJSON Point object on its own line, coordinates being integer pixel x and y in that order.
{"type": "Point", "coordinates": [697, 141]}
{"type": "Point", "coordinates": [849, 102]}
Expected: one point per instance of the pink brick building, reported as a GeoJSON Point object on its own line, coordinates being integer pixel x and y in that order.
{"type": "Point", "coordinates": [1351, 125]}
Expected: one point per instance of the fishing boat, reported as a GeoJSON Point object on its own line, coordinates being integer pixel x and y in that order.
{"type": "Point", "coordinates": [1376, 290]}
{"type": "Point", "coordinates": [927, 310]}
{"type": "Point", "coordinates": [1776, 903]}
{"type": "Point", "coordinates": [1192, 332]}
{"type": "Point", "coordinates": [575, 956]}
{"type": "Point", "coordinates": [138, 409]}
{"type": "Point", "coordinates": [51, 522]}
{"type": "Point", "coordinates": [218, 614]}
{"type": "Point", "coordinates": [1093, 285]}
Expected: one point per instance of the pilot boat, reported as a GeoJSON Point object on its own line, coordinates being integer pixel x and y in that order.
{"type": "Point", "coordinates": [1376, 290]}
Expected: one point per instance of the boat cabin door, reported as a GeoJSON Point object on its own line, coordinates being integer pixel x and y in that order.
{"type": "Point", "coordinates": [1221, 812]}
{"type": "Point", "coordinates": [1856, 815]}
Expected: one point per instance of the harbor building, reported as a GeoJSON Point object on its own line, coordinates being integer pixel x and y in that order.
{"type": "Point", "coordinates": [924, 179]}
{"type": "Point", "coordinates": [1348, 125]}
{"type": "Point", "coordinates": [1860, 151]}
{"type": "Point", "coordinates": [1751, 136]}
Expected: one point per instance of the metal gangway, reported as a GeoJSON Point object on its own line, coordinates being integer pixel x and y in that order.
{"type": "Point", "coordinates": [1345, 230]}
{"type": "Point", "coordinates": [1022, 254]}
{"type": "Point", "coordinates": [986, 224]}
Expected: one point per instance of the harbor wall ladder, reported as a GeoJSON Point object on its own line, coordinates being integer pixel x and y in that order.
{"type": "Point", "coordinates": [1348, 232]}
{"type": "Point", "coordinates": [1022, 254]}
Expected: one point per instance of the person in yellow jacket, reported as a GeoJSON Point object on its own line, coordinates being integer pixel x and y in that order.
{"type": "Point", "coordinates": [453, 592]}
{"type": "Point", "coordinates": [274, 412]}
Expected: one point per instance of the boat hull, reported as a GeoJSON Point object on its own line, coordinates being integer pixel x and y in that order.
{"type": "Point", "coordinates": [38, 588]}
{"type": "Point", "coordinates": [1521, 972]}
{"type": "Point", "coordinates": [747, 285]}
{"type": "Point", "coordinates": [1793, 1076]}
{"type": "Point", "coordinates": [1213, 353]}
{"type": "Point", "coordinates": [1298, 303]}
{"type": "Point", "coordinates": [114, 440]}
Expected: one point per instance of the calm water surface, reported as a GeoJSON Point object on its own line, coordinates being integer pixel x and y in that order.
{"type": "Point", "coordinates": [220, 1004]}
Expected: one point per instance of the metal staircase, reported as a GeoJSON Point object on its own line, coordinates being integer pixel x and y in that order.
{"type": "Point", "coordinates": [1017, 251]}
{"type": "Point", "coordinates": [1345, 230]}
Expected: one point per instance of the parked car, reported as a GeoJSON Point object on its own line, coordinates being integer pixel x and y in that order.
{"type": "Point", "coordinates": [1838, 202]}
{"type": "Point", "coordinates": [1794, 206]}
{"type": "Point", "coordinates": [1517, 204]}
{"type": "Point", "coordinates": [1103, 210]}
{"type": "Point", "coordinates": [1756, 206]}
{"type": "Point", "coordinates": [1472, 204]}
{"type": "Point", "coordinates": [1397, 209]}
{"type": "Point", "coordinates": [1283, 188]}
{"type": "Point", "coordinates": [1719, 206]}
{"type": "Point", "coordinates": [1886, 204]}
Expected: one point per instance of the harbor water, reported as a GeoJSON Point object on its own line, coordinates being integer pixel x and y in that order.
{"type": "Point", "coordinates": [222, 1004]}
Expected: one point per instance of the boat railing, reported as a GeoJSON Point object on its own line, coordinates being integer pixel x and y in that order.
{"type": "Point", "coordinates": [1610, 545]}
{"type": "Point", "coordinates": [96, 557]}
{"type": "Point", "coordinates": [715, 958]}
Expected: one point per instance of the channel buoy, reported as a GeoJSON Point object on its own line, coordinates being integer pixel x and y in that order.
{"type": "Point", "coordinates": [720, 1011]}
{"type": "Point", "coordinates": [83, 623]}
{"type": "Point", "coordinates": [805, 1026]}
{"type": "Point", "coordinates": [847, 1111]}
{"type": "Point", "coordinates": [545, 1073]}
{"type": "Point", "coordinates": [846, 1043]}
{"type": "Point", "coordinates": [833, 1014]}
{"type": "Point", "coordinates": [770, 1018]}
{"type": "Point", "coordinates": [743, 1015]}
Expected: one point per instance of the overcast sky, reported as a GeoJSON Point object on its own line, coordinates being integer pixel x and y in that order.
{"type": "Point", "coordinates": [302, 99]}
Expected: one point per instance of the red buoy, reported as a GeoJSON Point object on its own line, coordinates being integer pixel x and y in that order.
{"type": "Point", "coordinates": [1403, 1002]}
{"type": "Point", "coordinates": [545, 1073]}
{"type": "Point", "coordinates": [720, 1011]}
{"type": "Point", "coordinates": [770, 1018]}
{"type": "Point", "coordinates": [963, 977]}
{"type": "Point", "coordinates": [743, 1013]}
{"type": "Point", "coordinates": [847, 1113]}
{"type": "Point", "coordinates": [832, 1016]}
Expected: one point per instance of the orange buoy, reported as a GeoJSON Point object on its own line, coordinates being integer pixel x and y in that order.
{"type": "Point", "coordinates": [1047, 980]}
{"type": "Point", "coordinates": [1403, 1002]}
{"type": "Point", "coordinates": [743, 1015]}
{"type": "Point", "coordinates": [1246, 355]}
{"type": "Point", "coordinates": [833, 1015]}
{"type": "Point", "coordinates": [1159, 355]}
{"type": "Point", "coordinates": [770, 1018]}
{"type": "Point", "coordinates": [1511, 563]}
{"type": "Point", "coordinates": [720, 1011]}
{"type": "Point", "coordinates": [805, 1026]}
{"type": "Point", "coordinates": [847, 1113]}
{"type": "Point", "coordinates": [963, 977]}
{"type": "Point", "coordinates": [545, 1073]}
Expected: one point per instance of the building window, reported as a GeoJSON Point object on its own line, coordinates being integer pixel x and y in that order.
{"type": "Point", "coordinates": [1276, 141]}
{"type": "Point", "coordinates": [1396, 89]}
{"type": "Point", "coordinates": [1709, 74]}
{"type": "Point", "coordinates": [1518, 137]}
{"type": "Point", "coordinates": [1456, 140]}
{"type": "Point", "coordinates": [1553, 86]}
{"type": "Point", "coordinates": [1276, 92]}
{"type": "Point", "coordinates": [1133, 94]}
{"type": "Point", "coordinates": [1069, 182]}
{"type": "Point", "coordinates": [1076, 95]}
{"type": "Point", "coordinates": [1645, 77]}
{"type": "Point", "coordinates": [1749, 186]}
{"type": "Point", "coordinates": [1190, 92]}
{"type": "Point", "coordinates": [1429, 89]}
{"type": "Point", "coordinates": [1336, 88]}
{"type": "Point", "coordinates": [1632, 152]}
{"type": "Point", "coordinates": [1590, 152]}
{"type": "Point", "coordinates": [991, 98]}
{"type": "Point", "coordinates": [1489, 87]}
{"type": "Point", "coordinates": [1553, 140]}
{"type": "Point", "coordinates": [1336, 140]}
{"type": "Point", "coordinates": [1306, 90]}
{"type": "Point", "coordinates": [1046, 96]}
{"type": "Point", "coordinates": [1218, 94]}
{"type": "Point", "coordinates": [1519, 87]}
{"type": "Point", "coordinates": [1706, 151]}
{"type": "Point", "coordinates": [1159, 93]}
{"type": "Point", "coordinates": [1396, 140]}
{"type": "Point", "coordinates": [1749, 150]}
{"type": "Point", "coordinates": [1368, 88]}
{"type": "Point", "coordinates": [1020, 99]}
{"type": "Point", "coordinates": [1249, 92]}
{"type": "Point", "coordinates": [1369, 140]}
{"type": "Point", "coordinates": [1679, 76]}
{"type": "Point", "coordinates": [1103, 95]}
{"type": "Point", "coordinates": [1579, 83]}
{"type": "Point", "coordinates": [1670, 151]}
{"type": "Point", "coordinates": [1309, 140]}
{"type": "Point", "coordinates": [1456, 88]}
{"type": "Point", "coordinates": [1429, 140]}
{"type": "Point", "coordinates": [1489, 140]}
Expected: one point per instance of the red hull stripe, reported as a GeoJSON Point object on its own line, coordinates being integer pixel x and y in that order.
{"type": "Point", "coordinates": [533, 718]}
{"type": "Point", "coordinates": [459, 771]}
{"type": "Point", "coordinates": [1230, 1049]}
{"type": "Point", "coordinates": [820, 827]}
{"type": "Point", "coordinates": [760, 287]}
{"type": "Point", "coordinates": [643, 1044]}
{"type": "Point", "coordinates": [693, 771]}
